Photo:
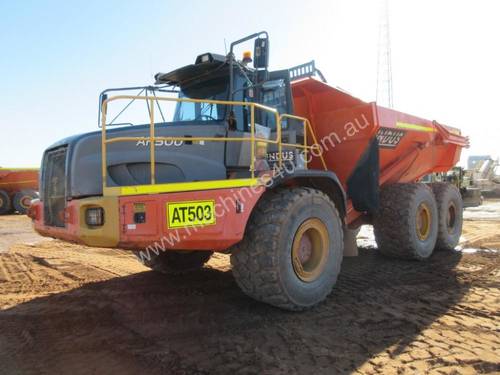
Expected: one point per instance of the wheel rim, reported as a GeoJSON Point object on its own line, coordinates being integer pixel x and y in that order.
{"type": "Point", "coordinates": [25, 201]}
{"type": "Point", "coordinates": [451, 218]}
{"type": "Point", "coordinates": [1, 202]}
{"type": "Point", "coordinates": [423, 221]}
{"type": "Point", "coordinates": [310, 250]}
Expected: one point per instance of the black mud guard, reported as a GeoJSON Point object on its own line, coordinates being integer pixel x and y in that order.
{"type": "Point", "coordinates": [363, 183]}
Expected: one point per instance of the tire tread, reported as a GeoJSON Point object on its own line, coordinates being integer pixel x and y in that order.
{"type": "Point", "coordinates": [255, 260]}
{"type": "Point", "coordinates": [392, 225]}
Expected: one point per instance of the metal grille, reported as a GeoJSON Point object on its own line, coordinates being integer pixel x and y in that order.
{"type": "Point", "coordinates": [54, 187]}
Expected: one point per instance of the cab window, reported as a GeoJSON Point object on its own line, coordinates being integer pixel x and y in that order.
{"type": "Point", "coordinates": [273, 95]}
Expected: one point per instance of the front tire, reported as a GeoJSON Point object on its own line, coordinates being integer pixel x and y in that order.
{"type": "Point", "coordinates": [173, 262]}
{"type": "Point", "coordinates": [406, 225]}
{"type": "Point", "coordinates": [292, 251]}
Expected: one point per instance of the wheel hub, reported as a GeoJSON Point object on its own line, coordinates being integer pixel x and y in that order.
{"type": "Point", "coordinates": [423, 220]}
{"type": "Point", "coordinates": [310, 249]}
{"type": "Point", "coordinates": [451, 218]}
{"type": "Point", "coordinates": [25, 201]}
{"type": "Point", "coordinates": [305, 248]}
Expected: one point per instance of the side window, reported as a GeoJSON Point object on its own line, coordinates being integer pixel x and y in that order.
{"type": "Point", "coordinates": [273, 95]}
{"type": "Point", "coordinates": [241, 113]}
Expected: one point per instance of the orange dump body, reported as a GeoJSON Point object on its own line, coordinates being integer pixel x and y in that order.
{"type": "Point", "coordinates": [17, 179]}
{"type": "Point", "coordinates": [409, 147]}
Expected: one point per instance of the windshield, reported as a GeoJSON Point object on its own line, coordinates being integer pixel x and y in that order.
{"type": "Point", "coordinates": [211, 90]}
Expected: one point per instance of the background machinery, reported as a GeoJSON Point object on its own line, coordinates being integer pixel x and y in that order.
{"type": "Point", "coordinates": [18, 186]}
{"type": "Point", "coordinates": [273, 167]}
{"type": "Point", "coordinates": [484, 173]}
{"type": "Point", "coordinates": [462, 179]}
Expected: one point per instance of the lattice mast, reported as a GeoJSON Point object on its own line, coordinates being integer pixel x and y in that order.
{"type": "Point", "coordinates": [384, 68]}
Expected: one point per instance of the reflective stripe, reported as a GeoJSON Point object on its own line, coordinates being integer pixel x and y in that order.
{"type": "Point", "coordinates": [421, 128]}
{"type": "Point", "coordinates": [18, 169]}
{"type": "Point", "coordinates": [18, 182]}
{"type": "Point", "coordinates": [188, 186]}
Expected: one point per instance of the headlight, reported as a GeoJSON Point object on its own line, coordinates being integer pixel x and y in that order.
{"type": "Point", "coordinates": [94, 216]}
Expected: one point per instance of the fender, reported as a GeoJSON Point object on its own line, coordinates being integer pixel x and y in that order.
{"type": "Point", "coordinates": [326, 181]}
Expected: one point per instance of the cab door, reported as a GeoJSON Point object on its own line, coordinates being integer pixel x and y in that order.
{"type": "Point", "coordinates": [276, 93]}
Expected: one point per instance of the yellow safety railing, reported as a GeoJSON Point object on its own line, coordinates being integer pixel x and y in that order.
{"type": "Point", "coordinates": [305, 146]}
{"type": "Point", "coordinates": [153, 138]}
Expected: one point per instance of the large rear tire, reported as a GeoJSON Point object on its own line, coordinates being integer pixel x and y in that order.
{"type": "Point", "coordinates": [450, 215]}
{"type": "Point", "coordinates": [406, 225]}
{"type": "Point", "coordinates": [173, 262]}
{"type": "Point", "coordinates": [22, 200]}
{"type": "Point", "coordinates": [292, 251]}
{"type": "Point", "coordinates": [5, 203]}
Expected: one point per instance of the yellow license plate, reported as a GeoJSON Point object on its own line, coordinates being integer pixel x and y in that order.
{"type": "Point", "coordinates": [187, 214]}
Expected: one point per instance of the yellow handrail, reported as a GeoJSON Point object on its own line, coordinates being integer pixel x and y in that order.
{"type": "Point", "coordinates": [252, 139]}
{"type": "Point", "coordinates": [153, 138]}
{"type": "Point", "coordinates": [305, 147]}
{"type": "Point", "coordinates": [152, 141]}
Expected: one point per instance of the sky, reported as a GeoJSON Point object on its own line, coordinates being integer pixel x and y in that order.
{"type": "Point", "coordinates": [57, 56]}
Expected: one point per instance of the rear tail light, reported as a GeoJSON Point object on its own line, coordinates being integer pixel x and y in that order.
{"type": "Point", "coordinates": [94, 216]}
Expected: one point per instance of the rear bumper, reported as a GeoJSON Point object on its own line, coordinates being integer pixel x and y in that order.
{"type": "Point", "coordinates": [120, 229]}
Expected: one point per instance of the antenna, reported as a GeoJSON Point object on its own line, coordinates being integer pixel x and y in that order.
{"type": "Point", "coordinates": [225, 47]}
{"type": "Point", "coordinates": [384, 68]}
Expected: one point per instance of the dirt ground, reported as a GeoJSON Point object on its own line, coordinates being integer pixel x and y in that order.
{"type": "Point", "coordinates": [72, 309]}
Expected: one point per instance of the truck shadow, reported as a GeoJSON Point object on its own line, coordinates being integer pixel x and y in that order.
{"type": "Point", "coordinates": [202, 323]}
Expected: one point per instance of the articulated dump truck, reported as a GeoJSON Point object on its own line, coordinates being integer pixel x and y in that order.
{"type": "Point", "coordinates": [18, 186]}
{"type": "Point", "coordinates": [275, 168]}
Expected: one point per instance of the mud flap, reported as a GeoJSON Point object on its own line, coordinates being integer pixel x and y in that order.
{"type": "Point", "coordinates": [363, 184]}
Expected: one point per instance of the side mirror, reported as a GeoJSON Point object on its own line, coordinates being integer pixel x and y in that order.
{"type": "Point", "coordinates": [261, 53]}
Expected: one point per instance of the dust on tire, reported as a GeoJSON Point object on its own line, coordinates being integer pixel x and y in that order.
{"type": "Point", "coordinates": [262, 261]}
{"type": "Point", "coordinates": [450, 215]}
{"type": "Point", "coordinates": [395, 225]}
